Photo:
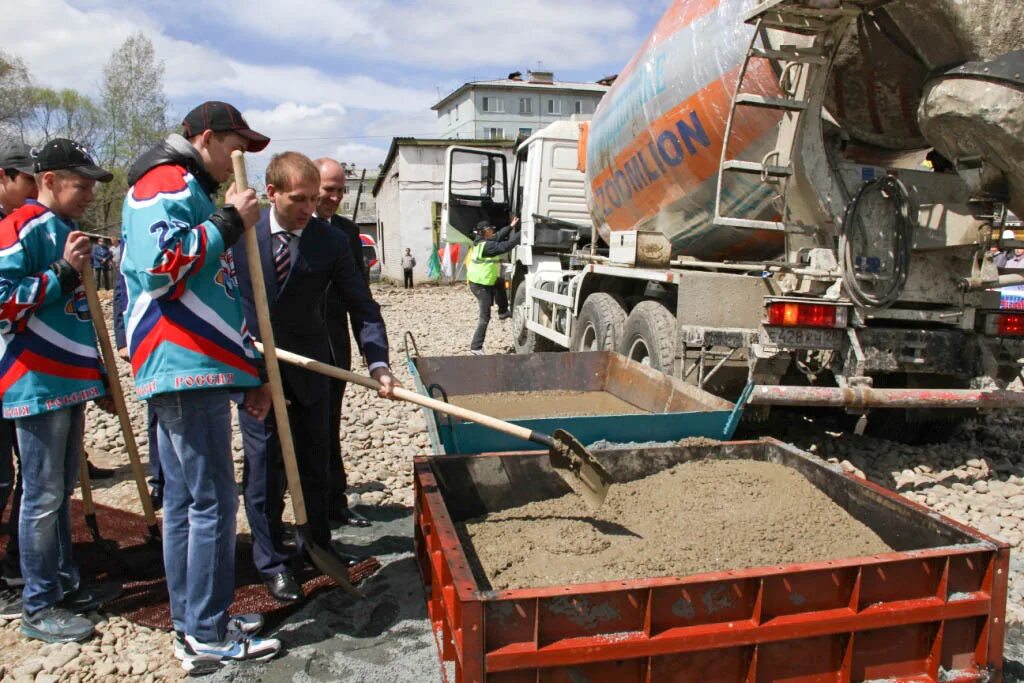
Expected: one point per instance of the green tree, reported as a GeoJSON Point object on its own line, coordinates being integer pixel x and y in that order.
{"type": "Point", "coordinates": [133, 108]}
{"type": "Point", "coordinates": [62, 113]}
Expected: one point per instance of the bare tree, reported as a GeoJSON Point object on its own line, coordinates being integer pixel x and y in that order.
{"type": "Point", "coordinates": [14, 84]}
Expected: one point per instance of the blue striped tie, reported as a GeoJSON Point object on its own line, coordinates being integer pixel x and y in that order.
{"type": "Point", "coordinates": [283, 256]}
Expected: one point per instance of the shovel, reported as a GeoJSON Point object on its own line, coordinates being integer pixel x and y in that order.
{"type": "Point", "coordinates": [108, 545]}
{"type": "Point", "coordinates": [87, 502]}
{"type": "Point", "coordinates": [325, 561]}
{"type": "Point", "coordinates": [574, 463]}
{"type": "Point", "coordinates": [117, 394]}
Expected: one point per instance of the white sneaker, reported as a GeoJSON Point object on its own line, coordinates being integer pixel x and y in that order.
{"type": "Point", "coordinates": [247, 624]}
{"type": "Point", "coordinates": [237, 646]}
{"type": "Point", "coordinates": [476, 352]}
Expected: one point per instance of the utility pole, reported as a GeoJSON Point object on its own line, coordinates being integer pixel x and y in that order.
{"type": "Point", "coordinates": [359, 193]}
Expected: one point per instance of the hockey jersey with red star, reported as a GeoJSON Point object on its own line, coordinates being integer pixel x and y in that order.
{"type": "Point", "coordinates": [49, 357]}
{"type": "Point", "coordinates": [184, 324]}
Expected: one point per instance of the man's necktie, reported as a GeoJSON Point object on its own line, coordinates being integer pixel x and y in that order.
{"type": "Point", "coordinates": [283, 256]}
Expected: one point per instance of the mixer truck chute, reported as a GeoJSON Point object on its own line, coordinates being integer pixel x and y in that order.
{"type": "Point", "coordinates": [799, 194]}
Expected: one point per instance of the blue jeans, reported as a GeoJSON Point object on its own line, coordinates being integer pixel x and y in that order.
{"type": "Point", "coordinates": [50, 445]}
{"type": "Point", "coordinates": [200, 502]}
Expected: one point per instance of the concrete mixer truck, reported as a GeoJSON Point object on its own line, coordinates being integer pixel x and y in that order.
{"type": "Point", "coordinates": [802, 197]}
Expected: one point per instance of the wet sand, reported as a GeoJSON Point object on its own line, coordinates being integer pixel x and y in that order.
{"type": "Point", "coordinates": [709, 515]}
{"type": "Point", "coordinates": [521, 405]}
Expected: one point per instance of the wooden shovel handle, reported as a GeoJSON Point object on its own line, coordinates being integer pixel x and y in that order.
{"type": "Point", "coordinates": [269, 350]}
{"type": "Point", "coordinates": [85, 483]}
{"type": "Point", "coordinates": [414, 397]}
{"type": "Point", "coordinates": [117, 393]}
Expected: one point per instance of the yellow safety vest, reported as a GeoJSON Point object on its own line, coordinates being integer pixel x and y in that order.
{"type": "Point", "coordinates": [483, 270]}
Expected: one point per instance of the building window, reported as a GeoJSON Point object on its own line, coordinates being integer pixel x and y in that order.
{"type": "Point", "coordinates": [493, 104]}
{"type": "Point", "coordinates": [362, 206]}
{"type": "Point", "coordinates": [554, 107]}
{"type": "Point", "coordinates": [579, 106]}
{"type": "Point", "coordinates": [494, 133]}
{"type": "Point", "coordinates": [525, 131]}
{"type": "Point", "coordinates": [345, 206]}
{"type": "Point", "coordinates": [525, 105]}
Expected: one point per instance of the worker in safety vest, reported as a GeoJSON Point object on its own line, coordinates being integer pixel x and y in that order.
{"type": "Point", "coordinates": [484, 275]}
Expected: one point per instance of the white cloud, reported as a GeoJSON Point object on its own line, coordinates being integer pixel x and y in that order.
{"type": "Point", "coordinates": [309, 86]}
{"type": "Point", "coordinates": [450, 34]}
{"type": "Point", "coordinates": [508, 35]}
{"type": "Point", "coordinates": [76, 44]}
{"type": "Point", "coordinates": [330, 23]}
{"type": "Point", "coordinates": [362, 155]}
{"type": "Point", "coordinates": [374, 64]}
{"type": "Point", "coordinates": [327, 129]}
{"type": "Point", "coordinates": [420, 124]}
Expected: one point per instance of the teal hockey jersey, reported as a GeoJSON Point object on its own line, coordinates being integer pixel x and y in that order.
{"type": "Point", "coordinates": [49, 351]}
{"type": "Point", "coordinates": [184, 323]}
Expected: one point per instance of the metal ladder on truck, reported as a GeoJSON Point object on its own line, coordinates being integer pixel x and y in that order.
{"type": "Point", "coordinates": [802, 71]}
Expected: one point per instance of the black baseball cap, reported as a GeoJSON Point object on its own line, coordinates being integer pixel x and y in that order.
{"type": "Point", "coordinates": [61, 154]}
{"type": "Point", "coordinates": [17, 156]}
{"type": "Point", "coordinates": [481, 226]}
{"type": "Point", "coordinates": [221, 116]}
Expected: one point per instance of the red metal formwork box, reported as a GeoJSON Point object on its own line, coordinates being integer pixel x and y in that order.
{"type": "Point", "coordinates": [933, 610]}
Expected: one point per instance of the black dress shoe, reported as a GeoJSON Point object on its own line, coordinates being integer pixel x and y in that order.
{"type": "Point", "coordinates": [346, 559]}
{"type": "Point", "coordinates": [156, 494]}
{"type": "Point", "coordinates": [283, 587]}
{"type": "Point", "coordinates": [353, 518]}
{"type": "Point", "coordinates": [99, 472]}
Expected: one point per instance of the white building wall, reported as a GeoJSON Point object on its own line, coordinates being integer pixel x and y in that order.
{"type": "Point", "coordinates": [421, 182]}
{"type": "Point", "coordinates": [405, 207]}
{"type": "Point", "coordinates": [466, 118]}
{"type": "Point", "coordinates": [389, 223]}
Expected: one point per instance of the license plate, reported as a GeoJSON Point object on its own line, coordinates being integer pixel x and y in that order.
{"type": "Point", "coordinates": [802, 337]}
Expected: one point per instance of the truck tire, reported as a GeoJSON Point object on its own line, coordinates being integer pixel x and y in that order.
{"type": "Point", "coordinates": [649, 336]}
{"type": "Point", "coordinates": [600, 323]}
{"type": "Point", "coordinates": [526, 341]}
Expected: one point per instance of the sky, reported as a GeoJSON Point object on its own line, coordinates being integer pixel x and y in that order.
{"type": "Point", "coordinates": [333, 78]}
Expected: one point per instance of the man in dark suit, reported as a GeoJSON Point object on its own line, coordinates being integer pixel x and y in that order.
{"type": "Point", "coordinates": [332, 189]}
{"type": "Point", "coordinates": [301, 256]}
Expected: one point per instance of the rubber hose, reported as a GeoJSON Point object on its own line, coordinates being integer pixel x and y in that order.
{"type": "Point", "coordinates": [890, 187]}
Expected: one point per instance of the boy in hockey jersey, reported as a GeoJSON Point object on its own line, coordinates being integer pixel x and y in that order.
{"type": "Point", "coordinates": [189, 350]}
{"type": "Point", "coordinates": [49, 370]}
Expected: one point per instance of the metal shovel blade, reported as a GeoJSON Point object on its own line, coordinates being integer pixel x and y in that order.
{"type": "Point", "coordinates": [579, 468]}
{"type": "Point", "coordinates": [327, 562]}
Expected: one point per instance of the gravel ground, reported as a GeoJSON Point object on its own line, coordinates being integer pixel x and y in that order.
{"type": "Point", "coordinates": [381, 437]}
{"type": "Point", "coordinates": [977, 477]}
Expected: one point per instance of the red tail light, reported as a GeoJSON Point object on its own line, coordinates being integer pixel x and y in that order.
{"type": "Point", "coordinates": [1005, 324]}
{"type": "Point", "coordinates": [792, 314]}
